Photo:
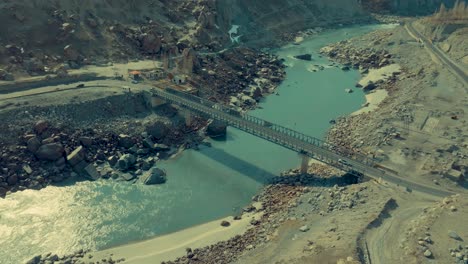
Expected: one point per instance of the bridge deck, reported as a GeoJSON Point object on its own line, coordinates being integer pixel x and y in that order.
{"type": "Point", "coordinates": [315, 148]}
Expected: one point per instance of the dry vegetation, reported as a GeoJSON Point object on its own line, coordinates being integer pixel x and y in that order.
{"type": "Point", "coordinates": [458, 14]}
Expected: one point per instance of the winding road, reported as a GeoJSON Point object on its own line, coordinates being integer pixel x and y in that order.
{"type": "Point", "coordinates": [444, 58]}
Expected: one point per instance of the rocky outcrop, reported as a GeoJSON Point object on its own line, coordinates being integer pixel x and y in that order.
{"type": "Point", "coordinates": [126, 162]}
{"type": "Point", "coordinates": [154, 176]}
{"type": "Point", "coordinates": [216, 129]}
{"type": "Point", "coordinates": [158, 130]}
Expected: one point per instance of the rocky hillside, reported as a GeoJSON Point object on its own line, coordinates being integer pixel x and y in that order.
{"type": "Point", "coordinates": [40, 36]}
{"type": "Point", "coordinates": [263, 19]}
{"type": "Point", "coordinates": [405, 7]}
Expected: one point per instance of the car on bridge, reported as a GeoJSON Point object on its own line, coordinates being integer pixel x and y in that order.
{"type": "Point", "coordinates": [344, 162]}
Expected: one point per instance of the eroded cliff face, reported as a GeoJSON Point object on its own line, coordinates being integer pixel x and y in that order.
{"type": "Point", "coordinates": [264, 19]}
{"type": "Point", "coordinates": [405, 7]}
{"type": "Point", "coordinates": [44, 32]}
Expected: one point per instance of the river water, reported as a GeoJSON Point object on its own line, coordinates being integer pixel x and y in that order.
{"type": "Point", "coordinates": [202, 185]}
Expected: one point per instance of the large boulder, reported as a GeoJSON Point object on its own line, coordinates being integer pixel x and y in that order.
{"type": "Point", "coordinates": [161, 147]}
{"type": "Point", "coordinates": [154, 176]}
{"type": "Point", "coordinates": [76, 156]}
{"type": "Point", "coordinates": [70, 53]}
{"type": "Point", "coordinates": [12, 180]}
{"type": "Point", "coordinates": [216, 129]}
{"type": "Point", "coordinates": [3, 192]}
{"type": "Point", "coordinates": [41, 126]}
{"type": "Point", "coordinates": [33, 144]}
{"type": "Point", "coordinates": [126, 141]}
{"type": "Point", "coordinates": [369, 87]}
{"type": "Point", "coordinates": [51, 152]}
{"type": "Point", "coordinates": [86, 141]}
{"type": "Point", "coordinates": [126, 162]}
{"type": "Point", "coordinates": [91, 173]}
{"type": "Point", "coordinates": [158, 130]}
{"type": "Point", "coordinates": [306, 57]}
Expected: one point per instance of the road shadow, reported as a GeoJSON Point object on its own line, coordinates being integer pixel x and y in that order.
{"type": "Point", "coordinates": [265, 177]}
{"type": "Point", "coordinates": [244, 167]}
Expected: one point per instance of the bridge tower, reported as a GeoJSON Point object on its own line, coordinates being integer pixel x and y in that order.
{"type": "Point", "coordinates": [188, 116]}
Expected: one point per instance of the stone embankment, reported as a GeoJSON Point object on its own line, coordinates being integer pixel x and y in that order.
{"type": "Point", "coordinates": [50, 152]}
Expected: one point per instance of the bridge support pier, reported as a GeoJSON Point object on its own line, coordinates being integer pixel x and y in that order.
{"type": "Point", "coordinates": [188, 117]}
{"type": "Point", "coordinates": [304, 164]}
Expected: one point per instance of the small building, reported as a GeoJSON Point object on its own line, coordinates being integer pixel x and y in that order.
{"type": "Point", "coordinates": [179, 79]}
{"type": "Point", "coordinates": [135, 75]}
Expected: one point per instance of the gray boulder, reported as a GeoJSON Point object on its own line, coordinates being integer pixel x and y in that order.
{"type": "Point", "coordinates": [33, 144]}
{"type": "Point", "coordinates": [306, 57]}
{"type": "Point", "coordinates": [125, 162]}
{"type": "Point", "coordinates": [161, 147]}
{"type": "Point", "coordinates": [216, 129]}
{"type": "Point", "coordinates": [50, 152]}
{"type": "Point", "coordinates": [76, 156]}
{"type": "Point", "coordinates": [148, 143]}
{"type": "Point", "coordinates": [34, 260]}
{"type": "Point", "coordinates": [369, 86]}
{"type": "Point", "coordinates": [113, 160]}
{"type": "Point", "coordinates": [428, 253]}
{"type": "Point", "coordinates": [86, 141]}
{"type": "Point", "coordinates": [154, 176]}
{"type": "Point", "coordinates": [454, 235]}
{"type": "Point", "coordinates": [127, 176]}
{"type": "Point", "coordinates": [41, 126]}
{"type": "Point", "coordinates": [126, 141]}
{"type": "Point", "coordinates": [6, 76]}
{"type": "Point", "coordinates": [91, 173]}
{"type": "Point", "coordinates": [158, 130]}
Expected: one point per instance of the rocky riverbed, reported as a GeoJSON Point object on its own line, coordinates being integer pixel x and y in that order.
{"type": "Point", "coordinates": [48, 153]}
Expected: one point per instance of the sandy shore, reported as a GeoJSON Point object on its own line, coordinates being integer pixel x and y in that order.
{"type": "Point", "coordinates": [172, 246]}
{"type": "Point", "coordinates": [376, 75]}
{"type": "Point", "coordinates": [373, 100]}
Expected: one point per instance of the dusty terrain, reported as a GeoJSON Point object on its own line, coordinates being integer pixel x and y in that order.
{"type": "Point", "coordinates": [415, 124]}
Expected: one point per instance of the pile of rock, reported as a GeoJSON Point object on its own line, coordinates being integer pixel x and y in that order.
{"type": "Point", "coordinates": [243, 73]}
{"type": "Point", "coordinates": [48, 154]}
{"type": "Point", "coordinates": [341, 199]}
{"type": "Point", "coordinates": [358, 58]}
{"type": "Point", "coordinates": [275, 199]}
{"type": "Point", "coordinates": [76, 257]}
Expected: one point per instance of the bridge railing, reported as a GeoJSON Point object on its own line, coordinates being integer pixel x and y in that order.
{"type": "Point", "coordinates": [234, 117]}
